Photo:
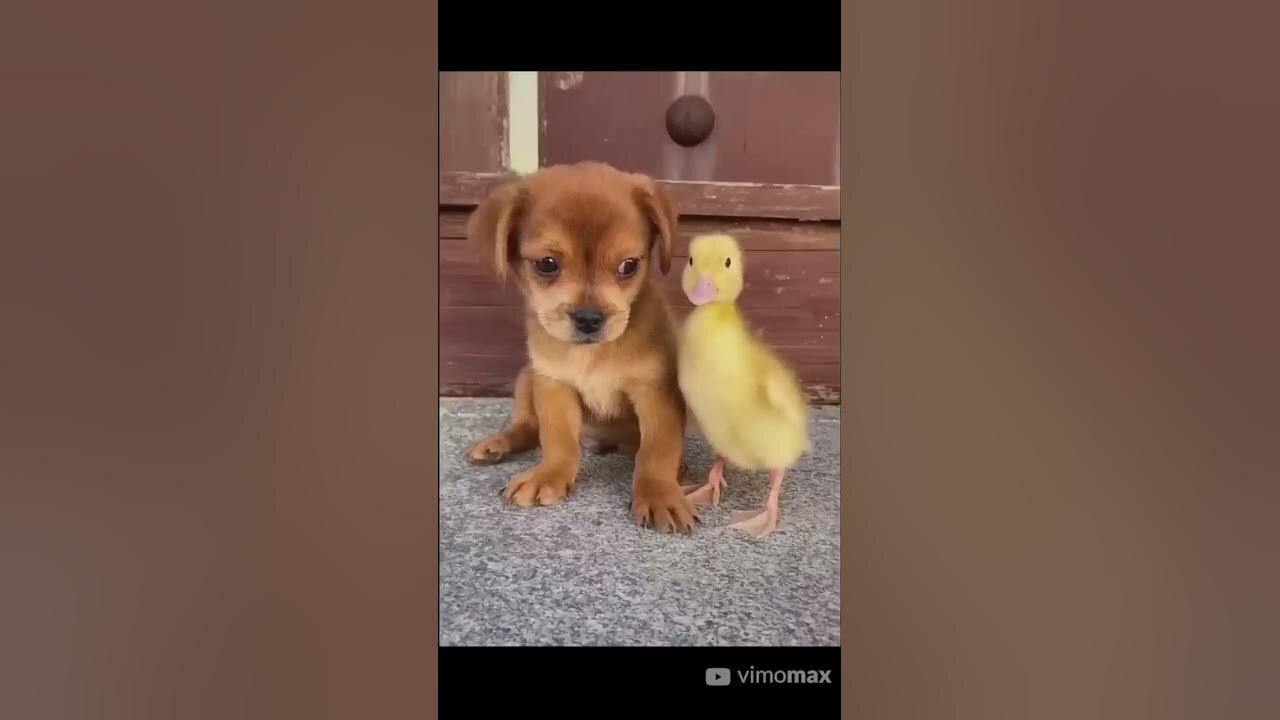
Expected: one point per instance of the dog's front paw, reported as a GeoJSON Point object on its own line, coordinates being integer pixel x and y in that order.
{"type": "Point", "coordinates": [662, 506]}
{"type": "Point", "coordinates": [539, 485]}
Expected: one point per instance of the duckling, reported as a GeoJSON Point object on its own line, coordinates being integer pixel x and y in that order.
{"type": "Point", "coordinates": [745, 399]}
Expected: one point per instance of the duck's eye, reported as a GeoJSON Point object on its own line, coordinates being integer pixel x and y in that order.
{"type": "Point", "coordinates": [690, 261]}
{"type": "Point", "coordinates": [628, 267]}
{"type": "Point", "coordinates": [726, 262]}
{"type": "Point", "coordinates": [547, 266]}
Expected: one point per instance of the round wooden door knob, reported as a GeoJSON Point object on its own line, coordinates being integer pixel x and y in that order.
{"type": "Point", "coordinates": [690, 120]}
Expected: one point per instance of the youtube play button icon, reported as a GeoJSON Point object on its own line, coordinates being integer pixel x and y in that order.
{"type": "Point", "coordinates": [718, 676]}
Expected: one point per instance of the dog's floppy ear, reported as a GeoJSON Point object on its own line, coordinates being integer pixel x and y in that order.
{"type": "Point", "coordinates": [656, 204]}
{"type": "Point", "coordinates": [493, 226]}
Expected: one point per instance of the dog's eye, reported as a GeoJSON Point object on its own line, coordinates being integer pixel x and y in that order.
{"type": "Point", "coordinates": [628, 267]}
{"type": "Point", "coordinates": [690, 262]}
{"type": "Point", "coordinates": [547, 266]}
{"type": "Point", "coordinates": [726, 262]}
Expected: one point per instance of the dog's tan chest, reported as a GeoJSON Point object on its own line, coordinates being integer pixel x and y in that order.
{"type": "Point", "coordinates": [601, 392]}
{"type": "Point", "coordinates": [604, 399]}
{"type": "Point", "coordinates": [600, 384]}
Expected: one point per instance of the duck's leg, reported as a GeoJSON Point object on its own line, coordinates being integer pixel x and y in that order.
{"type": "Point", "coordinates": [762, 521]}
{"type": "Point", "coordinates": [709, 492]}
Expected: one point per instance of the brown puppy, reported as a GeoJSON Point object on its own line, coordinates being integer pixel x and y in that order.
{"type": "Point", "coordinates": [578, 240]}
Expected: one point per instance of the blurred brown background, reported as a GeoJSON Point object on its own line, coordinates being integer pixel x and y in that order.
{"type": "Point", "coordinates": [1062, 396]}
{"type": "Point", "coordinates": [768, 173]}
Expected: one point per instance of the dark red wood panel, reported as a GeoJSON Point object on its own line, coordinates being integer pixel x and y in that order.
{"type": "Point", "coordinates": [791, 298]}
{"type": "Point", "coordinates": [465, 375]}
{"type": "Point", "coordinates": [770, 127]}
{"type": "Point", "coordinates": [753, 200]}
{"type": "Point", "coordinates": [483, 347]}
{"type": "Point", "coordinates": [483, 330]}
{"type": "Point", "coordinates": [752, 233]}
{"type": "Point", "coordinates": [774, 280]}
{"type": "Point", "coordinates": [473, 112]}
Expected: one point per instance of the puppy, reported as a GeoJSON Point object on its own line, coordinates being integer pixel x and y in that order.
{"type": "Point", "coordinates": [578, 241]}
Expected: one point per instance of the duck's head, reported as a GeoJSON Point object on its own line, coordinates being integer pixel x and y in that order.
{"type": "Point", "coordinates": [714, 271]}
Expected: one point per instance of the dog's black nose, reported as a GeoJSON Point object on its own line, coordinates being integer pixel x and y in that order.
{"type": "Point", "coordinates": [587, 320]}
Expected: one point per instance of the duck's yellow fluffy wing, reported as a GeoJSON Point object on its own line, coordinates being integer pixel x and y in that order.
{"type": "Point", "coordinates": [781, 390]}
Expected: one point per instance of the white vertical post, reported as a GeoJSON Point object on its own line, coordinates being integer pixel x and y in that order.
{"type": "Point", "coordinates": [522, 122]}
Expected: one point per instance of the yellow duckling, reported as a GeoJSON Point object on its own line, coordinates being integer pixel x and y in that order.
{"type": "Point", "coordinates": [745, 399]}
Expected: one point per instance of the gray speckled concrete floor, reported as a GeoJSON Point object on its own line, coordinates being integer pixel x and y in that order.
{"type": "Point", "coordinates": [580, 573]}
